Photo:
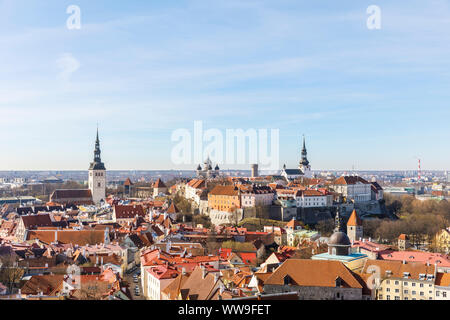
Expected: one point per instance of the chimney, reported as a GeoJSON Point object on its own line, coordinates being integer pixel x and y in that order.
{"type": "Point", "coordinates": [404, 261]}
{"type": "Point", "coordinates": [56, 236]}
{"type": "Point", "coordinates": [183, 271]}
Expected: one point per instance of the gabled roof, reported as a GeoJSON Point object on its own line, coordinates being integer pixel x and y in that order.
{"type": "Point", "coordinates": [129, 211]}
{"type": "Point", "coordinates": [173, 288]}
{"type": "Point", "coordinates": [398, 268]}
{"type": "Point", "coordinates": [443, 279]}
{"type": "Point", "coordinates": [198, 288]}
{"type": "Point", "coordinates": [79, 237]}
{"type": "Point", "coordinates": [196, 183]}
{"type": "Point", "coordinates": [293, 224]}
{"type": "Point", "coordinates": [354, 220]}
{"type": "Point", "coordinates": [37, 220]}
{"type": "Point", "coordinates": [45, 284]}
{"type": "Point", "coordinates": [159, 184]}
{"type": "Point", "coordinates": [173, 208]}
{"type": "Point", "coordinates": [71, 194]}
{"type": "Point", "coordinates": [292, 172]}
{"type": "Point", "coordinates": [345, 180]}
{"type": "Point", "coordinates": [313, 273]}
{"type": "Point", "coordinates": [225, 190]}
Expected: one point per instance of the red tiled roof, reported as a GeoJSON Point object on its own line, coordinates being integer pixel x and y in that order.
{"type": "Point", "coordinates": [173, 208]}
{"type": "Point", "coordinates": [344, 180]}
{"type": "Point", "coordinates": [37, 220]}
{"type": "Point", "coordinates": [159, 184]}
{"type": "Point", "coordinates": [354, 220]}
{"type": "Point", "coordinates": [313, 273]}
{"type": "Point", "coordinates": [129, 211]}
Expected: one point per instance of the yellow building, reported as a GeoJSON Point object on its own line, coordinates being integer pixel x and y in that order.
{"type": "Point", "coordinates": [442, 240]}
{"type": "Point", "coordinates": [224, 198]}
{"type": "Point", "coordinates": [397, 280]}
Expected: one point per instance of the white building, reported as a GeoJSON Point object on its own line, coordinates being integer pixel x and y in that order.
{"type": "Point", "coordinates": [257, 196]}
{"type": "Point", "coordinates": [158, 278]}
{"type": "Point", "coordinates": [97, 175]}
{"type": "Point", "coordinates": [311, 199]}
{"type": "Point", "coordinates": [194, 189]}
{"type": "Point", "coordinates": [353, 188]}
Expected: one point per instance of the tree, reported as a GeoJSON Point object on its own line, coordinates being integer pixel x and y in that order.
{"type": "Point", "coordinates": [10, 272]}
{"type": "Point", "coordinates": [325, 227]}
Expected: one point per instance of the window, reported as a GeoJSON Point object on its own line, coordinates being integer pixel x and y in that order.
{"type": "Point", "coordinates": [405, 283]}
{"type": "Point", "coordinates": [388, 297]}
{"type": "Point", "coordinates": [397, 290]}
{"type": "Point", "coordinates": [413, 284]}
{"type": "Point", "coordinates": [406, 298]}
{"type": "Point", "coordinates": [421, 293]}
{"type": "Point", "coordinates": [397, 298]}
{"type": "Point", "coordinates": [421, 285]}
{"type": "Point", "coordinates": [444, 294]}
{"type": "Point", "coordinates": [413, 292]}
{"type": "Point", "coordinates": [437, 293]}
{"type": "Point", "coordinates": [405, 291]}
{"type": "Point", "coordinates": [388, 289]}
{"type": "Point", "coordinates": [396, 282]}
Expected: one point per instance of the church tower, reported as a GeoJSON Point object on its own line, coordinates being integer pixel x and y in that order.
{"type": "Point", "coordinates": [304, 163]}
{"type": "Point", "coordinates": [97, 175]}
{"type": "Point", "coordinates": [354, 227]}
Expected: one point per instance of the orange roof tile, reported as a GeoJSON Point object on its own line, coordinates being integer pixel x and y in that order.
{"type": "Point", "coordinates": [354, 220]}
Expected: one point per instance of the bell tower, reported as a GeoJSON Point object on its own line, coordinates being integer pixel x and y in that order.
{"type": "Point", "coordinates": [97, 175]}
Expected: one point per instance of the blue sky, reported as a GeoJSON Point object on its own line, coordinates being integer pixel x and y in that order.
{"type": "Point", "coordinates": [372, 99]}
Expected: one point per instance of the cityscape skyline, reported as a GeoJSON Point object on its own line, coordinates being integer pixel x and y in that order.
{"type": "Point", "coordinates": [358, 95]}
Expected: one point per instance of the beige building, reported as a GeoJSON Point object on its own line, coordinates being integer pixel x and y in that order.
{"type": "Point", "coordinates": [398, 280]}
{"type": "Point", "coordinates": [442, 240]}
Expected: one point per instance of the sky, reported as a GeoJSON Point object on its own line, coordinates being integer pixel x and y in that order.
{"type": "Point", "coordinates": [364, 99]}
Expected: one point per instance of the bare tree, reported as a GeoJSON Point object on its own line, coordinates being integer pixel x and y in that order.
{"type": "Point", "coordinates": [10, 272]}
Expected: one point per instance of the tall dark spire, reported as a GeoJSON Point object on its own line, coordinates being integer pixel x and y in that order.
{"type": "Point", "coordinates": [304, 161]}
{"type": "Point", "coordinates": [97, 164]}
{"type": "Point", "coordinates": [338, 221]}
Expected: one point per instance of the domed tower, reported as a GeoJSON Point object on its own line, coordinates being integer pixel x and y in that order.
{"type": "Point", "coordinates": [97, 175]}
{"type": "Point", "coordinates": [216, 170]}
{"type": "Point", "coordinates": [199, 170]}
{"type": "Point", "coordinates": [339, 244]}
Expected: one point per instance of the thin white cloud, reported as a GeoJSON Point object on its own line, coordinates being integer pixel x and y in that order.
{"type": "Point", "coordinates": [67, 64]}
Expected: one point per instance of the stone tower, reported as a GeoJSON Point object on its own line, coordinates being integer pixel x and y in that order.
{"type": "Point", "coordinates": [97, 175]}
{"type": "Point", "coordinates": [354, 227]}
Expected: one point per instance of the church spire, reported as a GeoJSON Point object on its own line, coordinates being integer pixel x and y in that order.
{"type": "Point", "coordinates": [304, 161]}
{"type": "Point", "coordinates": [97, 164]}
{"type": "Point", "coordinates": [97, 151]}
